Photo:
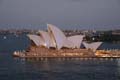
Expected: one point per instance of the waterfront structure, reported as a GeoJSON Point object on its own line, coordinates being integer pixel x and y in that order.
{"type": "Point", "coordinates": [37, 40]}
{"type": "Point", "coordinates": [62, 46]}
{"type": "Point", "coordinates": [56, 38]}
{"type": "Point", "coordinates": [77, 40]}
{"type": "Point", "coordinates": [94, 45]}
{"type": "Point", "coordinates": [47, 39]}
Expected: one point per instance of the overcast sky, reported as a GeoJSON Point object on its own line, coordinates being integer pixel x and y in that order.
{"type": "Point", "coordinates": [63, 13]}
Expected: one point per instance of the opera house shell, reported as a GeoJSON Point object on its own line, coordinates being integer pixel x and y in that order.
{"type": "Point", "coordinates": [55, 38]}
{"type": "Point", "coordinates": [94, 46]}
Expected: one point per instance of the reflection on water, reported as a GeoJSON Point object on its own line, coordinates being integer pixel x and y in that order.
{"type": "Point", "coordinates": [118, 66]}
{"type": "Point", "coordinates": [58, 69]}
{"type": "Point", "coordinates": [75, 69]}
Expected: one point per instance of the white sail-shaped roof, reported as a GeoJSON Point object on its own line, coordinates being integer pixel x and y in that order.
{"type": "Point", "coordinates": [93, 45]}
{"type": "Point", "coordinates": [47, 40]}
{"type": "Point", "coordinates": [76, 40]}
{"type": "Point", "coordinates": [57, 36]}
{"type": "Point", "coordinates": [68, 44]}
{"type": "Point", "coordinates": [36, 39]}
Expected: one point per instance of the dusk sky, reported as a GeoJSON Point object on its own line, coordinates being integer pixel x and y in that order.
{"type": "Point", "coordinates": [82, 14]}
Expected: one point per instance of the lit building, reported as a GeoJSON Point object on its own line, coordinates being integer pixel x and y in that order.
{"type": "Point", "coordinates": [53, 43]}
{"type": "Point", "coordinates": [55, 38]}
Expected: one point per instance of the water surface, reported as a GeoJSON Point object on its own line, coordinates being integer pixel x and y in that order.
{"type": "Point", "coordinates": [81, 69]}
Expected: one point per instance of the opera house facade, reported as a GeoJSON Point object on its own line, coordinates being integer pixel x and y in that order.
{"type": "Point", "coordinates": [54, 43]}
{"type": "Point", "coordinates": [55, 38]}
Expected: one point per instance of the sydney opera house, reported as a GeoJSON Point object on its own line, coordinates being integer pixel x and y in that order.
{"type": "Point", "coordinates": [53, 42]}
{"type": "Point", "coordinates": [55, 38]}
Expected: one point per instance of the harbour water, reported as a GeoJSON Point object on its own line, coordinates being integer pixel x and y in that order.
{"type": "Point", "coordinates": [75, 69]}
